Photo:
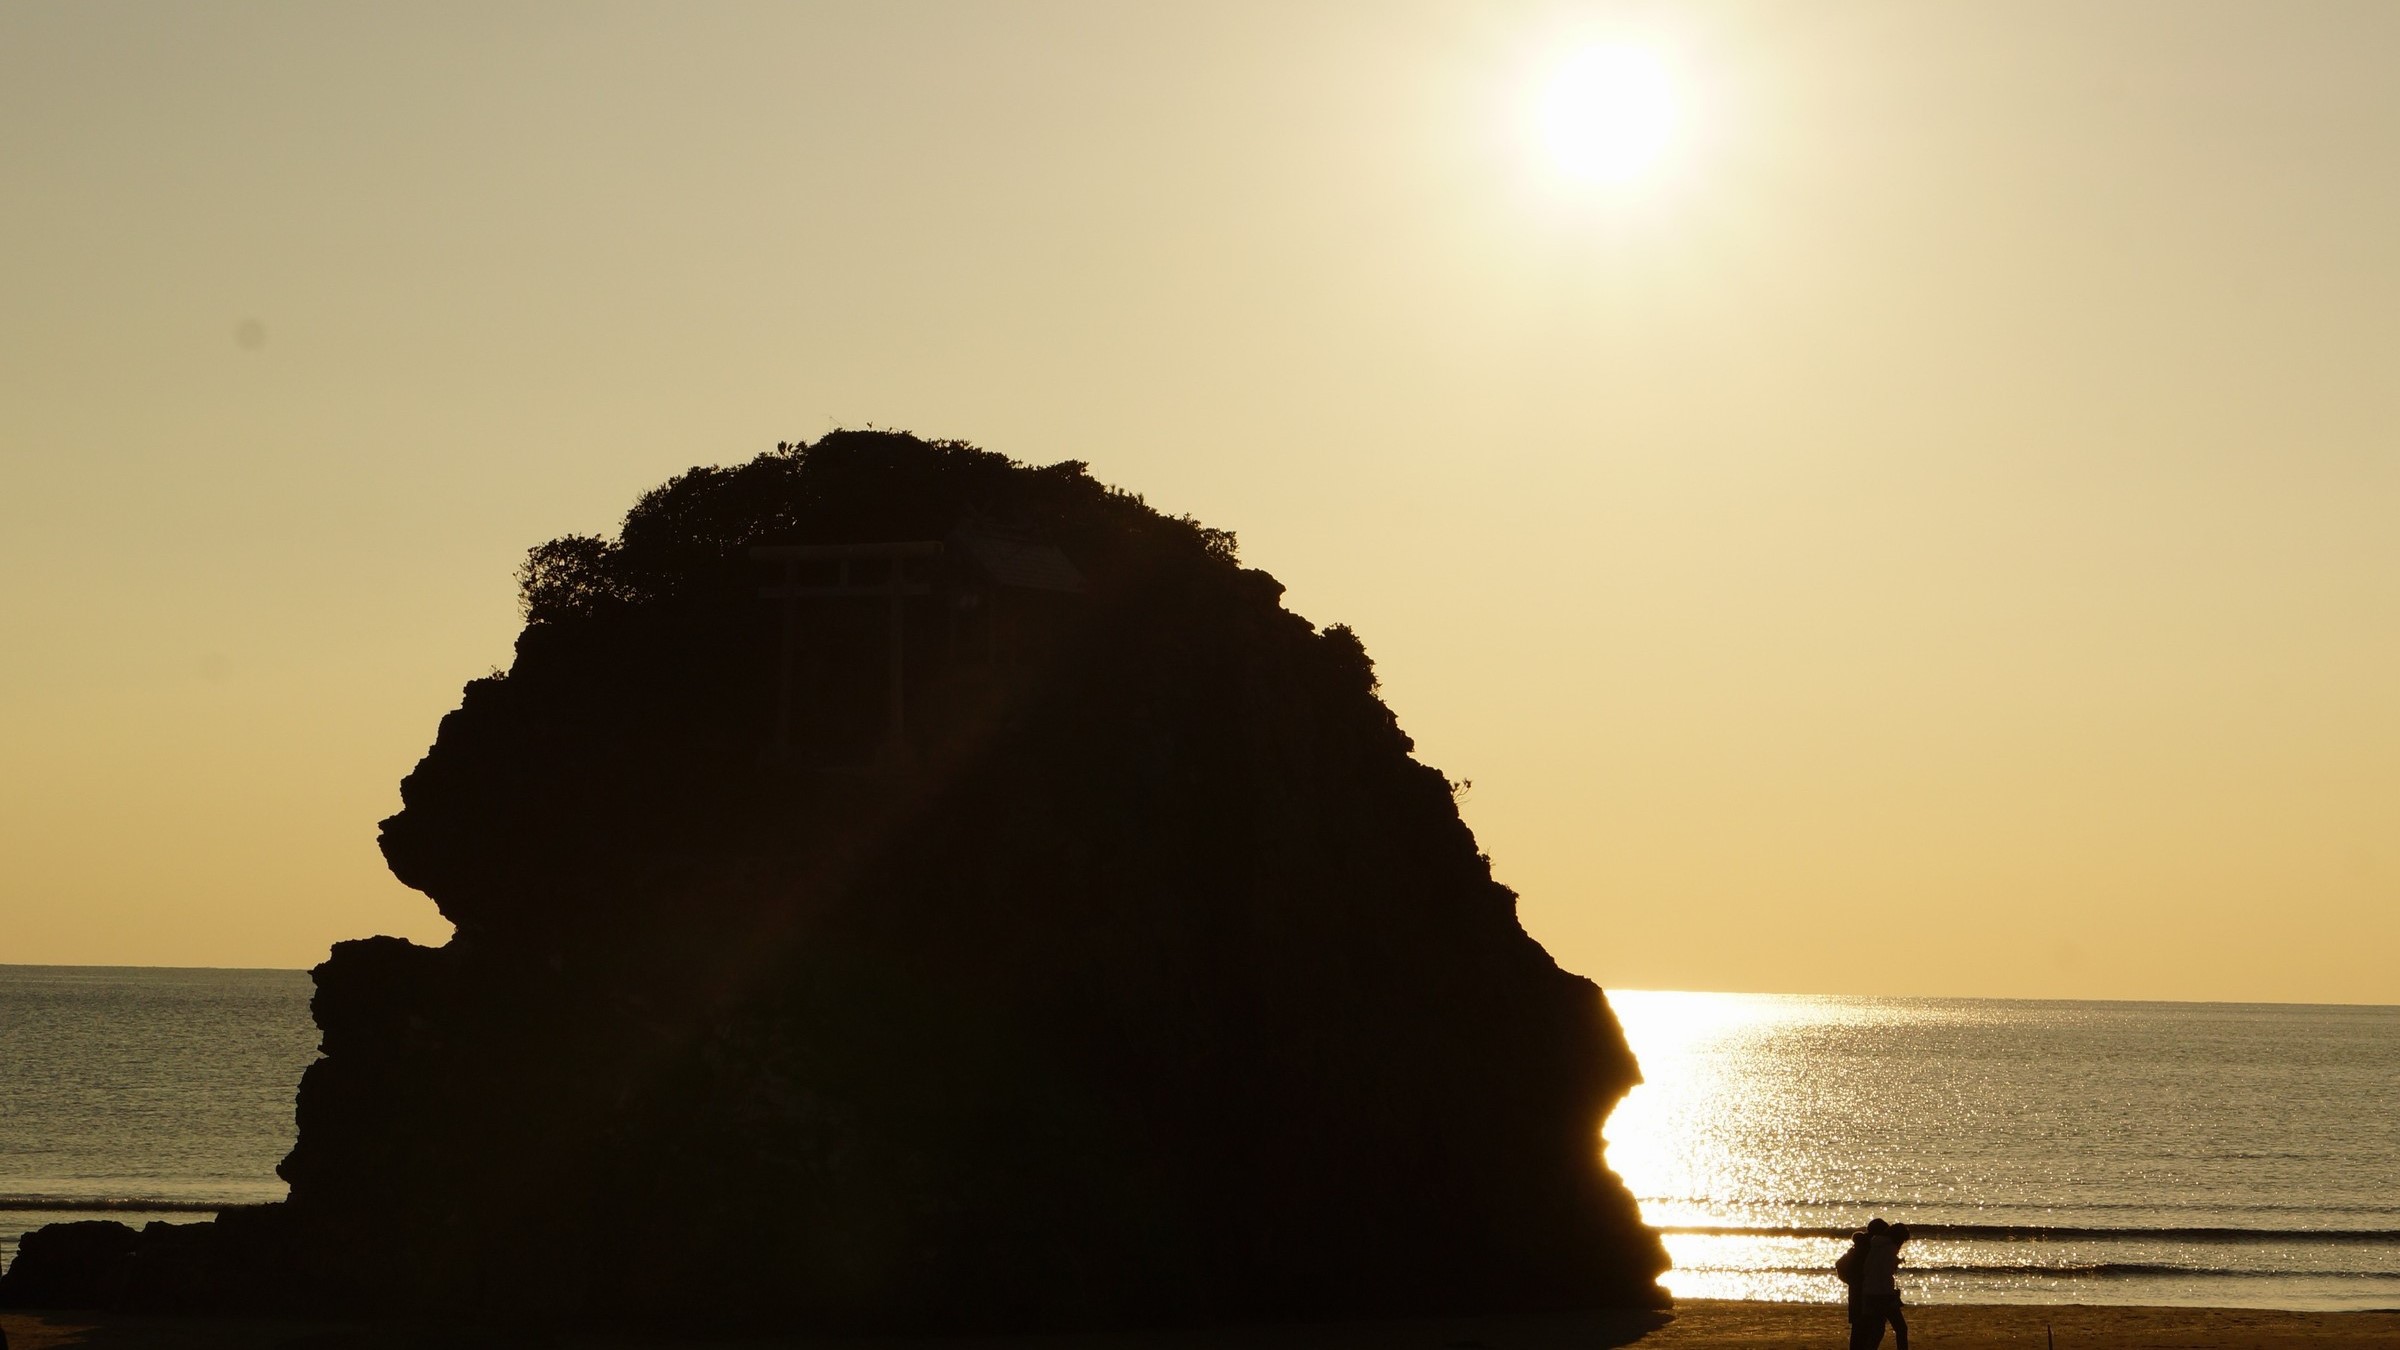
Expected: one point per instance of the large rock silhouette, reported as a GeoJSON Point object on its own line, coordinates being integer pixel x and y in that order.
{"type": "Point", "coordinates": [1139, 975]}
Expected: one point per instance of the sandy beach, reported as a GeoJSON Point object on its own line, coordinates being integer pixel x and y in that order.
{"type": "Point", "coordinates": [1695, 1325]}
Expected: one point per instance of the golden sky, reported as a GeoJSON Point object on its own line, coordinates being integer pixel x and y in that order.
{"type": "Point", "coordinates": [1930, 523]}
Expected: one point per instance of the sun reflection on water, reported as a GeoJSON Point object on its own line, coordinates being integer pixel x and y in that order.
{"type": "Point", "coordinates": [2226, 1155]}
{"type": "Point", "coordinates": [1722, 1133]}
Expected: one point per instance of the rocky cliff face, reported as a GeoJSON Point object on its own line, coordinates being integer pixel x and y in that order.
{"type": "Point", "coordinates": [1140, 974]}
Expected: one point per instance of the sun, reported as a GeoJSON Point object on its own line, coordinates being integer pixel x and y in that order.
{"type": "Point", "coordinates": [1609, 113]}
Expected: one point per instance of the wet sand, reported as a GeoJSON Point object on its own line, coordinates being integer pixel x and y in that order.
{"type": "Point", "coordinates": [1695, 1325]}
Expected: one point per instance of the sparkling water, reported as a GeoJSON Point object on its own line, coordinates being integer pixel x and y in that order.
{"type": "Point", "coordinates": [2222, 1155]}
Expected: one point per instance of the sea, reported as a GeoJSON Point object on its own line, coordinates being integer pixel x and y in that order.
{"type": "Point", "coordinates": [2198, 1154]}
{"type": "Point", "coordinates": [2194, 1154]}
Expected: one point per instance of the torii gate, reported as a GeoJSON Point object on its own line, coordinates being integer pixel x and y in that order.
{"type": "Point", "coordinates": [895, 586]}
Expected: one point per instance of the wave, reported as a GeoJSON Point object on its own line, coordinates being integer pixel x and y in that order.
{"type": "Point", "coordinates": [2065, 1270]}
{"type": "Point", "coordinates": [115, 1204]}
{"type": "Point", "coordinates": [1987, 1232]}
{"type": "Point", "coordinates": [1921, 1203]}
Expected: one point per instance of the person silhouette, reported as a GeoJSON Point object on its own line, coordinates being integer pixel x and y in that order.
{"type": "Point", "coordinates": [1871, 1268]}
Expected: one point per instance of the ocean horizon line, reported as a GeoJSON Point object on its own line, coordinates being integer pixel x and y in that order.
{"type": "Point", "coordinates": [2001, 998]}
{"type": "Point", "coordinates": [1606, 987]}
